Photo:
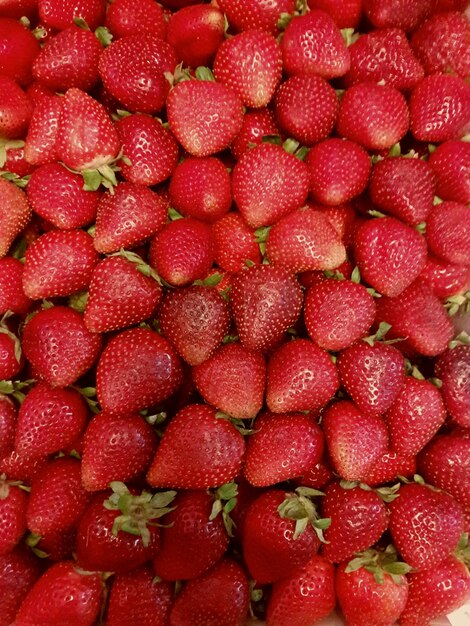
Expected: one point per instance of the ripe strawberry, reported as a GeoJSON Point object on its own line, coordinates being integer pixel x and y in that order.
{"type": "Point", "coordinates": [345, 13]}
{"type": "Point", "coordinates": [196, 33]}
{"type": "Point", "coordinates": [116, 448]}
{"type": "Point", "coordinates": [49, 420]}
{"type": "Point", "coordinates": [282, 447]}
{"type": "Point", "coordinates": [445, 279]}
{"type": "Point", "coordinates": [256, 125]}
{"type": "Point", "coordinates": [59, 346]}
{"type": "Point", "coordinates": [233, 380]}
{"type": "Point", "coordinates": [234, 243]}
{"type": "Point", "coordinates": [397, 13]}
{"type": "Point", "coordinates": [15, 111]}
{"type": "Point", "coordinates": [125, 17]}
{"type": "Point", "coordinates": [128, 217]}
{"type": "Point", "coordinates": [195, 319]}
{"type": "Point", "coordinates": [192, 540]}
{"type": "Point", "coordinates": [448, 232]}
{"type": "Point", "coordinates": [15, 213]}
{"type": "Point", "coordinates": [452, 367]}
{"type": "Point", "coordinates": [138, 598]}
{"type": "Point", "coordinates": [19, 570]}
{"type": "Point", "coordinates": [7, 425]}
{"type": "Point", "coordinates": [390, 467]}
{"type": "Point", "coordinates": [243, 15]}
{"type": "Point", "coordinates": [13, 503]}
{"type": "Point", "coordinates": [16, 163]}
{"type": "Point", "coordinates": [77, 597]}
{"type": "Point", "coordinates": [204, 116]}
{"type": "Point", "coordinates": [40, 145]}
{"type": "Point", "coordinates": [137, 368]}
{"type": "Point", "coordinates": [355, 439]}
{"type": "Point", "coordinates": [19, 49]}
{"type": "Point", "coordinates": [20, 466]}
{"type": "Point", "coordinates": [219, 596]}
{"type": "Point", "coordinates": [304, 50]}
{"type": "Point", "coordinates": [306, 108]}
{"type": "Point", "coordinates": [268, 183]}
{"type": "Point", "coordinates": [11, 356]}
{"type": "Point", "coordinates": [450, 166]}
{"type": "Point", "coordinates": [265, 301]}
{"type": "Point", "coordinates": [442, 44]}
{"type": "Point", "coordinates": [197, 450]}
{"type": "Point", "coordinates": [337, 313]}
{"type": "Point", "coordinates": [58, 14]}
{"type": "Point", "coordinates": [440, 108]}
{"type": "Point", "coordinates": [56, 194]}
{"type": "Point", "coordinates": [417, 315]}
{"type": "Point", "coordinates": [17, 8]}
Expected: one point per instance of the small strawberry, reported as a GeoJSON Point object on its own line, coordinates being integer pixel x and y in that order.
{"type": "Point", "coordinates": [452, 367]}
{"type": "Point", "coordinates": [59, 14]}
{"type": "Point", "coordinates": [19, 49]}
{"type": "Point", "coordinates": [256, 125]}
{"type": "Point", "coordinates": [16, 163]}
{"type": "Point", "coordinates": [234, 243]}
{"type": "Point", "coordinates": [13, 503]}
{"type": "Point", "coordinates": [19, 569]}
{"type": "Point", "coordinates": [247, 14]}
{"type": "Point", "coordinates": [15, 112]}
{"type": "Point", "coordinates": [345, 13]}
{"type": "Point", "coordinates": [397, 13]}
{"type": "Point", "coordinates": [450, 166]}
{"type": "Point", "coordinates": [445, 279]}
{"type": "Point", "coordinates": [448, 232]}
{"type": "Point", "coordinates": [40, 145]}
{"type": "Point", "coordinates": [125, 17]}
{"type": "Point", "coordinates": [15, 213]}
{"type": "Point", "coordinates": [7, 425]}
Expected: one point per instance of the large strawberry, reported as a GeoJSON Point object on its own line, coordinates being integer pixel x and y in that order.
{"type": "Point", "coordinates": [19, 569]}
{"type": "Point", "coordinates": [13, 503]}
{"type": "Point", "coordinates": [453, 367]}
{"type": "Point", "coordinates": [15, 213]}
{"type": "Point", "coordinates": [19, 49]}
{"type": "Point", "coordinates": [450, 165]}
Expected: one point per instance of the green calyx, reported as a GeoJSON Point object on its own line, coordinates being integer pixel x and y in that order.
{"type": "Point", "coordinates": [224, 503]}
{"type": "Point", "coordinates": [4, 330]}
{"type": "Point", "coordinates": [462, 551]}
{"type": "Point", "coordinates": [462, 339]}
{"type": "Point", "coordinates": [380, 564]}
{"type": "Point", "coordinates": [300, 508]}
{"type": "Point", "coordinates": [387, 494]}
{"type": "Point", "coordinates": [140, 265]}
{"type": "Point", "coordinates": [15, 388]}
{"type": "Point", "coordinates": [458, 304]}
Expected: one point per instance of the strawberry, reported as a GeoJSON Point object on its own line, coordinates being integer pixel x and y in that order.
{"type": "Point", "coordinates": [11, 356]}
{"type": "Point", "coordinates": [442, 44]}
{"type": "Point", "coordinates": [21, 467]}
{"type": "Point", "coordinates": [448, 232]}
{"type": "Point", "coordinates": [15, 111]}
{"type": "Point", "coordinates": [120, 295]}
{"type": "Point", "coordinates": [197, 450]}
{"type": "Point", "coordinates": [58, 14]}
{"type": "Point", "coordinates": [13, 503]}
{"type": "Point", "coordinates": [389, 467]}
{"type": "Point", "coordinates": [445, 279]}
{"type": "Point", "coordinates": [374, 116]}
{"type": "Point", "coordinates": [137, 368]}
{"type": "Point", "coordinates": [7, 425]}
{"type": "Point", "coordinates": [195, 319]}
{"type": "Point", "coordinates": [56, 194]}
{"type": "Point", "coordinates": [128, 217]}
{"type": "Point", "coordinates": [59, 263]}
{"type": "Point", "coordinates": [19, 49]}
{"type": "Point", "coordinates": [450, 166]}
{"type": "Point", "coordinates": [397, 13]}
{"type": "Point", "coordinates": [125, 17]}
{"type": "Point", "coordinates": [426, 525]}
{"type": "Point", "coordinates": [219, 596]}
{"type": "Point", "coordinates": [16, 163]}
{"type": "Point", "coordinates": [40, 145]}
{"type": "Point", "coordinates": [268, 183]}
{"type": "Point", "coordinates": [19, 570]}
{"type": "Point", "coordinates": [416, 415]}
{"type": "Point", "coordinates": [355, 439]}
{"type": "Point", "coordinates": [243, 15]}
{"type": "Point", "coordinates": [306, 108]}
{"type": "Point", "coordinates": [204, 116]}
{"type": "Point", "coordinates": [234, 243]}
{"type": "Point", "coordinates": [435, 592]}
{"type": "Point", "coordinates": [417, 315]}
{"type": "Point", "coordinates": [77, 597]}
{"type": "Point", "coordinates": [116, 448]}
{"type": "Point", "coordinates": [265, 301]}
{"type": "Point", "coordinates": [132, 69]}
{"type": "Point", "coordinates": [59, 346]}
{"type": "Point", "coordinates": [440, 108]}
{"type": "Point", "coordinates": [55, 546]}
{"type": "Point", "coordinates": [196, 33]}
{"type": "Point", "coordinates": [256, 125]}
{"type": "Point", "coordinates": [183, 251]}
{"type": "Point", "coordinates": [233, 380]}
{"type": "Point", "coordinates": [452, 367]}
{"type": "Point", "coordinates": [337, 313]}
{"type": "Point", "coordinates": [15, 213]}
{"type": "Point", "coordinates": [390, 255]}
{"type": "Point", "coordinates": [304, 50]}
{"type": "Point", "coordinates": [192, 540]}
{"type": "Point", "coordinates": [345, 13]}
{"type": "Point", "coordinates": [69, 59]}
{"type": "Point", "coordinates": [136, 596]}
{"type": "Point", "coordinates": [403, 187]}
{"type": "Point", "coordinates": [282, 447]}
{"type": "Point", "coordinates": [250, 63]}
{"type": "Point", "coordinates": [49, 420]}
{"type": "Point", "coordinates": [17, 8]}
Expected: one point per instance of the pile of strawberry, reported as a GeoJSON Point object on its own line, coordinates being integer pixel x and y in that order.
{"type": "Point", "coordinates": [234, 312]}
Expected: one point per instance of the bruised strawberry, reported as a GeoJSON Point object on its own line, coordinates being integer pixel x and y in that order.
{"type": "Point", "coordinates": [125, 17]}
{"type": "Point", "coordinates": [15, 213]}
{"type": "Point", "coordinates": [13, 503]}
{"type": "Point", "coordinates": [234, 243]}
{"type": "Point", "coordinates": [452, 367]}
{"type": "Point", "coordinates": [449, 163]}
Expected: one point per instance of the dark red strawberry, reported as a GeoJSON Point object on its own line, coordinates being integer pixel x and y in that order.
{"type": "Point", "coordinates": [234, 243]}
{"type": "Point", "coordinates": [448, 232]}
{"type": "Point", "coordinates": [125, 17]}
{"type": "Point", "coordinates": [40, 146]}
{"type": "Point", "coordinates": [7, 425]}
{"type": "Point", "coordinates": [256, 125]}
{"type": "Point", "coordinates": [15, 213]}
{"type": "Point", "coordinates": [13, 503]}
{"type": "Point", "coordinates": [452, 367]}
{"type": "Point", "coordinates": [450, 165]}
{"type": "Point", "coordinates": [445, 279]}
{"type": "Point", "coordinates": [137, 368]}
{"type": "Point", "coordinates": [15, 112]}
{"type": "Point", "coordinates": [19, 49]}
{"type": "Point", "coordinates": [19, 570]}
{"type": "Point", "coordinates": [397, 13]}
{"type": "Point", "coordinates": [58, 345]}
{"type": "Point", "coordinates": [244, 15]}
{"type": "Point", "coordinates": [20, 466]}
{"type": "Point", "coordinates": [345, 13]}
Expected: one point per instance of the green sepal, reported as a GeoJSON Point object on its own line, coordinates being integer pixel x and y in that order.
{"type": "Point", "coordinates": [204, 73]}
{"type": "Point", "coordinates": [225, 501]}
{"type": "Point", "coordinates": [299, 507]}
{"type": "Point", "coordinates": [104, 36]}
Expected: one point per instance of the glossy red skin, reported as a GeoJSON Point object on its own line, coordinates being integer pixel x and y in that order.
{"type": "Point", "coordinates": [7, 425]}
{"type": "Point", "coordinates": [15, 109]}
{"type": "Point", "coordinates": [125, 17]}
{"type": "Point", "coordinates": [449, 163]}
{"type": "Point", "coordinates": [16, 162]}
{"type": "Point", "coordinates": [19, 49]}
{"type": "Point", "coordinates": [13, 503]}
{"type": "Point", "coordinates": [40, 144]}
{"type": "Point", "coordinates": [448, 232]}
{"type": "Point", "coordinates": [59, 14]}
{"type": "Point", "coordinates": [234, 243]}
{"type": "Point", "coordinates": [389, 467]}
{"type": "Point", "coordinates": [15, 213]}
{"type": "Point", "coordinates": [19, 569]}
{"type": "Point", "coordinates": [256, 124]}
{"type": "Point", "coordinates": [446, 279]}
{"type": "Point", "coordinates": [452, 367]}
{"type": "Point", "coordinates": [400, 14]}
{"type": "Point", "coordinates": [345, 13]}
{"type": "Point", "coordinates": [15, 9]}
{"type": "Point", "coordinates": [21, 467]}
{"type": "Point", "coordinates": [10, 365]}
{"type": "Point", "coordinates": [244, 16]}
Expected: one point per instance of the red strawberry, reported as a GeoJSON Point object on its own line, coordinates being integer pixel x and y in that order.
{"type": "Point", "coordinates": [132, 69]}
{"type": "Point", "coordinates": [265, 301]}
{"type": "Point", "coordinates": [77, 597]}
{"type": "Point", "coordinates": [125, 17]}
{"type": "Point", "coordinates": [233, 380]}
{"type": "Point", "coordinates": [11, 356]}
{"type": "Point", "coordinates": [452, 367]}
{"type": "Point", "coordinates": [306, 108]}
{"type": "Point", "coordinates": [196, 33]}
{"type": "Point", "coordinates": [304, 50]}
{"type": "Point", "coordinates": [234, 243]}
{"type": "Point", "coordinates": [15, 111]}
{"type": "Point", "coordinates": [13, 503]}
{"type": "Point", "coordinates": [17, 8]}
{"type": "Point", "coordinates": [56, 194]}
{"type": "Point", "coordinates": [137, 597]}
{"type": "Point", "coordinates": [219, 596]}
{"type": "Point", "coordinates": [49, 420]}
{"type": "Point", "coordinates": [256, 125]}
{"type": "Point", "coordinates": [374, 116]}
{"type": "Point", "coordinates": [197, 450]}
{"type": "Point", "coordinates": [389, 467]}
{"type": "Point", "coordinates": [21, 467]}
{"type": "Point", "coordinates": [445, 279]}
{"type": "Point", "coordinates": [282, 447]}
{"type": "Point", "coordinates": [337, 313]}
{"type": "Point", "coordinates": [415, 416]}
{"type": "Point", "coordinates": [397, 13]}
{"type": "Point", "coordinates": [40, 146]}
{"type": "Point", "coordinates": [450, 165]}
{"type": "Point", "coordinates": [19, 570]}
{"type": "Point", "coordinates": [15, 213]}
{"type": "Point", "coordinates": [195, 319]}
{"type": "Point", "coordinates": [243, 15]}
{"type": "Point", "coordinates": [345, 13]}
{"type": "Point", "coordinates": [116, 448]}
{"type": "Point", "coordinates": [16, 163]}
{"type": "Point", "coordinates": [120, 294]}
{"type": "Point", "coordinates": [59, 14]}
{"type": "Point", "coordinates": [59, 346]}
{"type": "Point", "coordinates": [59, 263]}
{"type": "Point", "coordinates": [128, 217]}
{"type": "Point", "coordinates": [192, 540]}
{"type": "Point", "coordinates": [19, 49]}
{"type": "Point", "coordinates": [268, 183]}
{"type": "Point", "coordinates": [440, 108]}
{"type": "Point", "coordinates": [137, 368]}
{"type": "Point", "coordinates": [355, 439]}
{"type": "Point", "coordinates": [7, 425]}
{"type": "Point", "coordinates": [448, 232]}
